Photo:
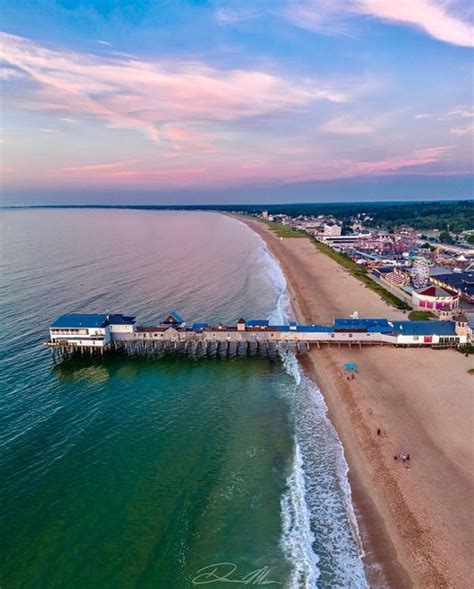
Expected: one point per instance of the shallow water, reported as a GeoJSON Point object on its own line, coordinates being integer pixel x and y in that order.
{"type": "Point", "coordinates": [138, 473]}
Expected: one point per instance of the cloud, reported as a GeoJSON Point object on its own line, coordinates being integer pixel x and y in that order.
{"type": "Point", "coordinates": [145, 95]}
{"type": "Point", "coordinates": [227, 16]}
{"type": "Point", "coordinates": [133, 171]}
{"type": "Point", "coordinates": [419, 157]}
{"type": "Point", "coordinates": [93, 168]}
{"type": "Point", "coordinates": [445, 20]}
{"type": "Point", "coordinates": [349, 126]}
{"type": "Point", "coordinates": [327, 17]}
{"type": "Point", "coordinates": [343, 168]}
{"type": "Point", "coordinates": [462, 114]}
{"type": "Point", "coordinates": [435, 17]}
{"type": "Point", "coordinates": [467, 129]}
{"type": "Point", "coordinates": [423, 115]}
{"type": "Point", "coordinates": [10, 74]}
{"type": "Point", "coordinates": [462, 111]}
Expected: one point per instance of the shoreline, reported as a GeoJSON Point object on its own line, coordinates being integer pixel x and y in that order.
{"type": "Point", "coordinates": [408, 536]}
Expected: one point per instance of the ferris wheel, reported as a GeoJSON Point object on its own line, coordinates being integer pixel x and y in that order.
{"type": "Point", "coordinates": [420, 272]}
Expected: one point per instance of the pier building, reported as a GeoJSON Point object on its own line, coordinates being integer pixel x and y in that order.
{"type": "Point", "coordinates": [77, 333]}
{"type": "Point", "coordinates": [90, 330]}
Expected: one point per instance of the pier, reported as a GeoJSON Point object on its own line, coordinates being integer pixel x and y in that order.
{"type": "Point", "coordinates": [99, 334]}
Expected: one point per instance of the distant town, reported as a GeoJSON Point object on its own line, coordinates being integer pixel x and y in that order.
{"type": "Point", "coordinates": [431, 271]}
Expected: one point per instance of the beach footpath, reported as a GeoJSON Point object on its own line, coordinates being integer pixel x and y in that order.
{"type": "Point", "coordinates": [406, 421]}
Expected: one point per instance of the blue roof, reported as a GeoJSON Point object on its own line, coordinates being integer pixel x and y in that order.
{"type": "Point", "coordinates": [257, 323]}
{"type": "Point", "coordinates": [370, 325]}
{"type": "Point", "coordinates": [307, 328]}
{"type": "Point", "coordinates": [464, 281]}
{"type": "Point", "coordinates": [174, 315]}
{"type": "Point", "coordinates": [74, 320]}
{"type": "Point", "coordinates": [121, 319]}
{"type": "Point", "coordinates": [424, 327]}
{"type": "Point", "coordinates": [81, 320]}
{"type": "Point", "coordinates": [199, 326]}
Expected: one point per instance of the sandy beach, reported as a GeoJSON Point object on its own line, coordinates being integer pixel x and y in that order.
{"type": "Point", "coordinates": [416, 523]}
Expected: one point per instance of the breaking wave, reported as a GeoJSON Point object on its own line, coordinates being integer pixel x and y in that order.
{"type": "Point", "coordinates": [320, 536]}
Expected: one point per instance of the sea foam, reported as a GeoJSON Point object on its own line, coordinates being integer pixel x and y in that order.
{"type": "Point", "coordinates": [320, 536]}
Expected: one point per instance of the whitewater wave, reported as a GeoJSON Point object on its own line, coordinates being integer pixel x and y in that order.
{"type": "Point", "coordinates": [297, 538]}
{"type": "Point", "coordinates": [320, 536]}
{"type": "Point", "coordinates": [327, 493]}
{"type": "Point", "coordinates": [281, 311]}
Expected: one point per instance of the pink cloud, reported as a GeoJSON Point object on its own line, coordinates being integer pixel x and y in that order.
{"type": "Point", "coordinates": [92, 168]}
{"type": "Point", "coordinates": [343, 168]}
{"type": "Point", "coordinates": [435, 17]}
{"type": "Point", "coordinates": [130, 93]}
{"type": "Point", "coordinates": [419, 157]}
{"type": "Point", "coordinates": [445, 20]}
{"type": "Point", "coordinates": [349, 126]}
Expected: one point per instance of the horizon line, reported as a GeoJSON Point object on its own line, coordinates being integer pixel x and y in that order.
{"type": "Point", "coordinates": [231, 205]}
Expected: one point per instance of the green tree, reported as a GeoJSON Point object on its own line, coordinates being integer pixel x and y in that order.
{"type": "Point", "coordinates": [445, 237]}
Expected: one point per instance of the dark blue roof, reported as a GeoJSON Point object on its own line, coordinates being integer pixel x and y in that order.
{"type": "Point", "coordinates": [81, 320]}
{"type": "Point", "coordinates": [257, 323]}
{"type": "Point", "coordinates": [121, 319]}
{"type": "Point", "coordinates": [74, 320]}
{"type": "Point", "coordinates": [370, 325]}
{"type": "Point", "coordinates": [463, 281]}
{"type": "Point", "coordinates": [199, 326]}
{"type": "Point", "coordinates": [174, 315]}
{"type": "Point", "coordinates": [424, 327]}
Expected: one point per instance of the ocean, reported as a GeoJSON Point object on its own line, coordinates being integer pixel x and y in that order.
{"type": "Point", "coordinates": [164, 474]}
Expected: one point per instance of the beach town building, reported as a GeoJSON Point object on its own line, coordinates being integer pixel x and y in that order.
{"type": "Point", "coordinates": [458, 250]}
{"type": "Point", "coordinates": [97, 330]}
{"type": "Point", "coordinates": [438, 300]}
{"type": "Point", "coordinates": [459, 282]}
{"type": "Point", "coordinates": [332, 230]}
{"type": "Point", "coordinates": [344, 241]}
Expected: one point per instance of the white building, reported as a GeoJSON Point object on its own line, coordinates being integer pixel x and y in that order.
{"type": "Point", "coordinates": [332, 230]}
{"type": "Point", "coordinates": [90, 330]}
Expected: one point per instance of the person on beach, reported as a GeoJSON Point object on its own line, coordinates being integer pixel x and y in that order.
{"type": "Point", "coordinates": [379, 432]}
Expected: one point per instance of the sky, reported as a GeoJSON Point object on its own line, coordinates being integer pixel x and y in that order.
{"type": "Point", "coordinates": [235, 101]}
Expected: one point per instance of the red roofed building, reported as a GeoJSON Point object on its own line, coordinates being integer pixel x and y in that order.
{"type": "Point", "coordinates": [438, 300]}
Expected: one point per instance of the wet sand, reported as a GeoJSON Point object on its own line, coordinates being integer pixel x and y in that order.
{"type": "Point", "coordinates": [416, 524]}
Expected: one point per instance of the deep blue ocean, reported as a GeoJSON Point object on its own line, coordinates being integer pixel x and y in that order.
{"type": "Point", "coordinates": [139, 473]}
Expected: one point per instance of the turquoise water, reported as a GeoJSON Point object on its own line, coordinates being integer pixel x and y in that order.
{"type": "Point", "coordinates": [125, 473]}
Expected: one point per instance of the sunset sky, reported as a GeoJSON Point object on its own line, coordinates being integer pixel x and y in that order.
{"type": "Point", "coordinates": [174, 101]}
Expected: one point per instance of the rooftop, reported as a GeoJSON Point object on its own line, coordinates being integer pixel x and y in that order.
{"type": "Point", "coordinates": [424, 327]}
{"type": "Point", "coordinates": [463, 281]}
{"type": "Point", "coordinates": [75, 320]}
{"type": "Point", "coordinates": [257, 323]}
{"type": "Point", "coordinates": [436, 291]}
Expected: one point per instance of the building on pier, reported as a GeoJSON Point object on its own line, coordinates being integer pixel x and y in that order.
{"type": "Point", "coordinates": [91, 330]}
{"type": "Point", "coordinates": [173, 319]}
{"type": "Point", "coordinates": [119, 332]}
